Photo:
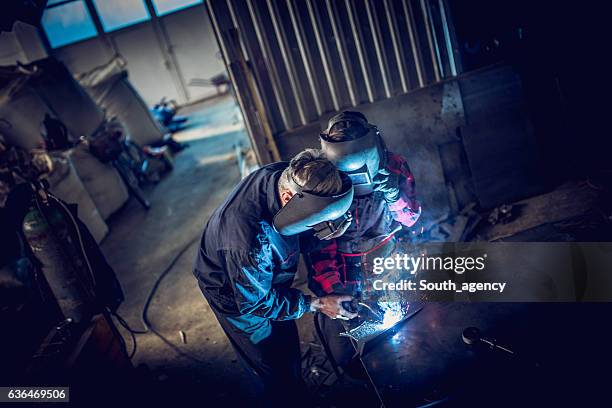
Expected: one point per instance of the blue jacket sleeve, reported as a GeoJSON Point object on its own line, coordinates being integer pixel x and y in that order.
{"type": "Point", "coordinates": [251, 277]}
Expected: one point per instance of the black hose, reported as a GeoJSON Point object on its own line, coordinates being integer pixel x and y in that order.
{"type": "Point", "coordinates": [145, 320]}
{"type": "Point", "coordinates": [127, 327]}
{"type": "Point", "coordinates": [144, 317]}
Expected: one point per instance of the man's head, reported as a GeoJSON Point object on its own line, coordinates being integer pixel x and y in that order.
{"type": "Point", "coordinates": [355, 147]}
{"type": "Point", "coordinates": [347, 125]}
{"type": "Point", "coordinates": [302, 167]}
{"type": "Point", "coordinates": [314, 195]}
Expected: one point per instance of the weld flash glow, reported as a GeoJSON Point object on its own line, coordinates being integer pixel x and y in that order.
{"type": "Point", "coordinates": [392, 313]}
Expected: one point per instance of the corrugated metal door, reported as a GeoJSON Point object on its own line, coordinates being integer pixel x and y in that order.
{"type": "Point", "coordinates": [309, 57]}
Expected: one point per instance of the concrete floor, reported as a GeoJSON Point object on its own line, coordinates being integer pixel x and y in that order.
{"type": "Point", "coordinates": [141, 245]}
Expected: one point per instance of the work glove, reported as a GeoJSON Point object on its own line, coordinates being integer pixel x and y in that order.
{"type": "Point", "coordinates": [331, 306]}
{"type": "Point", "coordinates": [388, 184]}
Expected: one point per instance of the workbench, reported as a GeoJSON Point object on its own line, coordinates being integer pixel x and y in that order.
{"type": "Point", "coordinates": [557, 347]}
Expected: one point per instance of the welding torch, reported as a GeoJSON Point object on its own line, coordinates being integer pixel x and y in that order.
{"type": "Point", "coordinates": [356, 305]}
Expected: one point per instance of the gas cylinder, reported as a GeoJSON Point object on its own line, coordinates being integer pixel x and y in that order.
{"type": "Point", "coordinates": [46, 242]}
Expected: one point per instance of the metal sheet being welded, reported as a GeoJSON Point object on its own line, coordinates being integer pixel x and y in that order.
{"type": "Point", "coordinates": [369, 329]}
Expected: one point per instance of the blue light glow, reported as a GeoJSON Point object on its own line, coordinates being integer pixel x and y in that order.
{"type": "Point", "coordinates": [163, 7]}
{"type": "Point", "coordinates": [68, 23]}
{"type": "Point", "coordinates": [116, 14]}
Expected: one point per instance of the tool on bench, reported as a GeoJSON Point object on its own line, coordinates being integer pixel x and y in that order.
{"type": "Point", "coordinates": [473, 336]}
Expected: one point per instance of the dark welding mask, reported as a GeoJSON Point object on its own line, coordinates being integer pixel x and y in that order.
{"type": "Point", "coordinates": [326, 214]}
{"type": "Point", "coordinates": [360, 157]}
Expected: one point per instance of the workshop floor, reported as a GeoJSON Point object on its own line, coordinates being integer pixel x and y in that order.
{"type": "Point", "coordinates": [142, 244]}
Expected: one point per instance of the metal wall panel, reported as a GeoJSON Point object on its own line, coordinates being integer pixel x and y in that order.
{"type": "Point", "coordinates": [312, 57]}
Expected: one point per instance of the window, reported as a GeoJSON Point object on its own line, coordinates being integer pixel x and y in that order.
{"type": "Point", "coordinates": [116, 14]}
{"type": "Point", "coordinates": [68, 23]}
{"type": "Point", "coordinates": [168, 6]}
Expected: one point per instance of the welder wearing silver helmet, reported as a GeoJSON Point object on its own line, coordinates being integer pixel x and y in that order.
{"type": "Point", "coordinates": [384, 202]}
{"type": "Point", "coordinates": [384, 199]}
{"type": "Point", "coordinates": [356, 147]}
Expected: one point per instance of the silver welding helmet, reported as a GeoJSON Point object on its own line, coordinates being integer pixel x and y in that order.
{"type": "Point", "coordinates": [359, 153]}
{"type": "Point", "coordinates": [326, 214]}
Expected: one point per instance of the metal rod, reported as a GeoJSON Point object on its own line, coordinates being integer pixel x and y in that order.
{"type": "Point", "coordinates": [372, 383]}
{"type": "Point", "coordinates": [358, 45]}
{"type": "Point", "coordinates": [434, 36]}
{"type": "Point", "coordinates": [370, 379]}
{"type": "Point", "coordinates": [304, 53]}
{"type": "Point", "coordinates": [359, 351]}
{"type": "Point", "coordinates": [222, 45]}
{"type": "Point", "coordinates": [291, 73]}
{"type": "Point", "coordinates": [265, 149]}
{"type": "Point", "coordinates": [431, 40]}
{"type": "Point", "coordinates": [413, 45]}
{"type": "Point", "coordinates": [324, 52]}
{"type": "Point", "coordinates": [447, 38]}
{"type": "Point", "coordinates": [234, 17]}
{"type": "Point", "coordinates": [371, 310]}
{"type": "Point", "coordinates": [265, 50]}
{"type": "Point", "coordinates": [380, 53]}
{"type": "Point", "coordinates": [396, 47]}
{"type": "Point", "coordinates": [259, 65]}
{"type": "Point", "coordinates": [341, 52]}
{"type": "Point", "coordinates": [493, 345]}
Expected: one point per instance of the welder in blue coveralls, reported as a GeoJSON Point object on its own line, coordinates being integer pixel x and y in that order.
{"type": "Point", "coordinates": [248, 258]}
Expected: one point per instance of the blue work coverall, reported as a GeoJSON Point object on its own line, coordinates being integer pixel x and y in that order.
{"type": "Point", "coordinates": [245, 270]}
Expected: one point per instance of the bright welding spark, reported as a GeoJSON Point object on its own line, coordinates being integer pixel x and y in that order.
{"type": "Point", "coordinates": [392, 313]}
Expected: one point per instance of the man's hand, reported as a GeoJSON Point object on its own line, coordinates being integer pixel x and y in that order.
{"type": "Point", "coordinates": [332, 306]}
{"type": "Point", "coordinates": [388, 184]}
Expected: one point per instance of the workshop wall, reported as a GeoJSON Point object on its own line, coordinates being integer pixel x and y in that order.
{"type": "Point", "coordinates": [414, 125]}
{"type": "Point", "coordinates": [469, 135]}
{"type": "Point", "coordinates": [310, 57]}
{"type": "Point", "coordinates": [499, 139]}
{"type": "Point", "coordinates": [467, 139]}
{"type": "Point", "coordinates": [196, 49]}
